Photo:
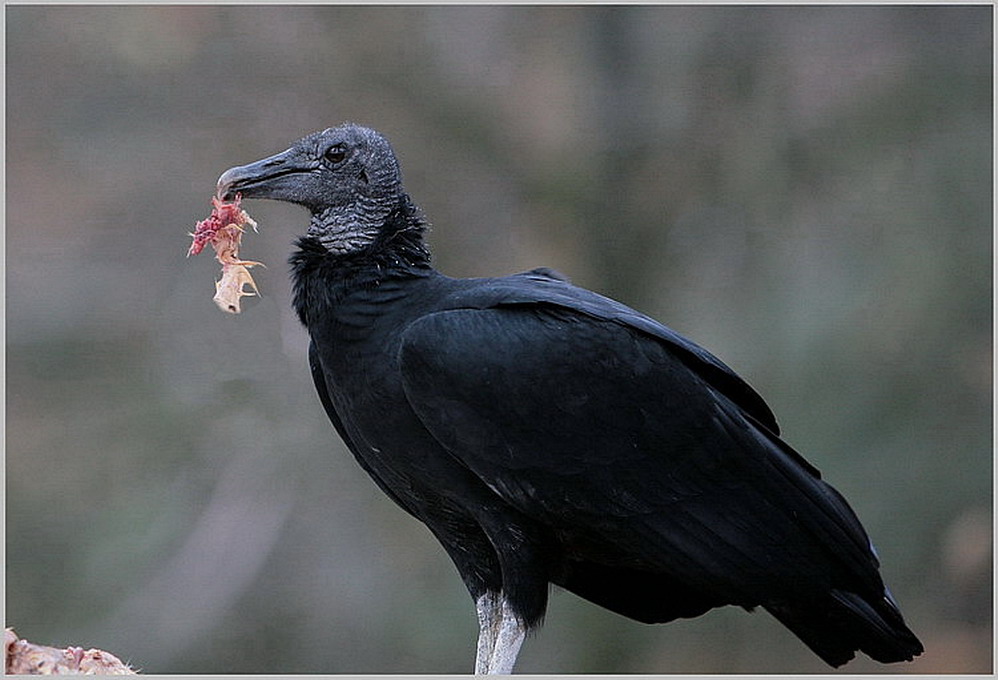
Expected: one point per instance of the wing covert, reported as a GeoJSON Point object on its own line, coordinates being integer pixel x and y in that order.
{"type": "Point", "coordinates": [545, 288]}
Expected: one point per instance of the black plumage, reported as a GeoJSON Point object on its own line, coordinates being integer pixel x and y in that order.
{"type": "Point", "coordinates": [546, 434]}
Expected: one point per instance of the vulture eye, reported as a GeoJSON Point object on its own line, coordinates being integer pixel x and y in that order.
{"type": "Point", "coordinates": [335, 154]}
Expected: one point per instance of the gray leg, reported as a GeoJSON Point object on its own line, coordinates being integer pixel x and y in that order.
{"type": "Point", "coordinates": [489, 621]}
{"type": "Point", "coordinates": [507, 647]}
{"type": "Point", "coordinates": [500, 635]}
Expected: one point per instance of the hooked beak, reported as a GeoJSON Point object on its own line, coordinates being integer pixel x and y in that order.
{"type": "Point", "coordinates": [272, 177]}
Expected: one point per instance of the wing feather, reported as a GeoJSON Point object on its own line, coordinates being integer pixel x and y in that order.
{"type": "Point", "coordinates": [606, 434]}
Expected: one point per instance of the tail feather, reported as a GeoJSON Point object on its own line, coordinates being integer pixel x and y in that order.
{"type": "Point", "coordinates": [836, 628]}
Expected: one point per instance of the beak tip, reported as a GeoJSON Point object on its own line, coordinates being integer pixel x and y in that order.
{"type": "Point", "coordinates": [256, 177]}
{"type": "Point", "coordinates": [224, 184]}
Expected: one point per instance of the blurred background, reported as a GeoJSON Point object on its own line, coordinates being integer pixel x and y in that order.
{"type": "Point", "coordinates": [805, 191]}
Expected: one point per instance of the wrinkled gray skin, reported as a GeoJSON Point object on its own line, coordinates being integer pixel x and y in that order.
{"type": "Point", "coordinates": [351, 167]}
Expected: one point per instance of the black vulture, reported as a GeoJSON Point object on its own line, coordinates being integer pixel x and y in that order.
{"type": "Point", "coordinates": [546, 434]}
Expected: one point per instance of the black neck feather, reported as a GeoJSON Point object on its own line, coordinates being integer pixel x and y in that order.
{"type": "Point", "coordinates": [321, 278]}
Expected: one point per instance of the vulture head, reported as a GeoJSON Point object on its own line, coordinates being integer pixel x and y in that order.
{"type": "Point", "coordinates": [346, 176]}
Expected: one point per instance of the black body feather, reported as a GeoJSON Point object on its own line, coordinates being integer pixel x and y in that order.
{"type": "Point", "coordinates": [546, 434]}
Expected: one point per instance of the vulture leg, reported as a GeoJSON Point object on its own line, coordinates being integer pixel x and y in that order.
{"type": "Point", "coordinates": [500, 635]}
{"type": "Point", "coordinates": [489, 620]}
